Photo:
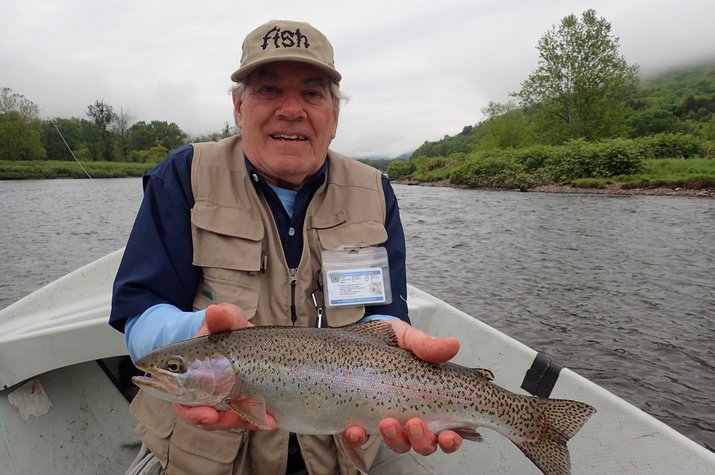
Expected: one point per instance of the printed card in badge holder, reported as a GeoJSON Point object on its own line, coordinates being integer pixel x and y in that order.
{"type": "Point", "coordinates": [356, 276]}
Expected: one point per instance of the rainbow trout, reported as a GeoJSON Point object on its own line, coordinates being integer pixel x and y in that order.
{"type": "Point", "coordinates": [320, 381]}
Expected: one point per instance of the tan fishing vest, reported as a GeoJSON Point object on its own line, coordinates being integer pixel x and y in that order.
{"type": "Point", "coordinates": [239, 249]}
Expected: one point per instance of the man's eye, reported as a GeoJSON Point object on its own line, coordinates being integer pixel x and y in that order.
{"type": "Point", "coordinates": [270, 91]}
{"type": "Point", "coordinates": [313, 96]}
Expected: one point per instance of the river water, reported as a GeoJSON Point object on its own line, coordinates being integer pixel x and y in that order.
{"type": "Point", "coordinates": [618, 288]}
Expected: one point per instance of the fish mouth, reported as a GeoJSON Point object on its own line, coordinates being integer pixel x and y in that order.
{"type": "Point", "coordinates": [160, 381]}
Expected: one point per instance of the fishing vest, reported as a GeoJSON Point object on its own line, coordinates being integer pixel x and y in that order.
{"type": "Point", "coordinates": [236, 243]}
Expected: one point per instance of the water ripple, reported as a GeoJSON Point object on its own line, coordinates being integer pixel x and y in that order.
{"type": "Point", "coordinates": [617, 288]}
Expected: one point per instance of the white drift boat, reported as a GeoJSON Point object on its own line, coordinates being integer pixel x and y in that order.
{"type": "Point", "coordinates": [65, 382]}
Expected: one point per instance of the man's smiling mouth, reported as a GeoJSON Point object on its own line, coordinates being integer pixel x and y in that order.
{"type": "Point", "coordinates": [295, 138]}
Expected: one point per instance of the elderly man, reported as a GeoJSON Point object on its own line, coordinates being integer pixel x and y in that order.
{"type": "Point", "coordinates": [236, 233]}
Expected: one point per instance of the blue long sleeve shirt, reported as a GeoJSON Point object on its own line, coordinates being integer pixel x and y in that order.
{"type": "Point", "coordinates": [157, 273]}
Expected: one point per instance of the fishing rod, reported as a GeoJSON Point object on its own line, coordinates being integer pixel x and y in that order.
{"type": "Point", "coordinates": [70, 148]}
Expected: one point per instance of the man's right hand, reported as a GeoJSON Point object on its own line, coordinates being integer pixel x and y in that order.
{"type": "Point", "coordinates": [219, 318]}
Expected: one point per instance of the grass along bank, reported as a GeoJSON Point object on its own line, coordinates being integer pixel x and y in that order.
{"type": "Point", "coordinates": [694, 174]}
{"type": "Point", "coordinates": [666, 161]}
{"type": "Point", "coordinates": [44, 169]}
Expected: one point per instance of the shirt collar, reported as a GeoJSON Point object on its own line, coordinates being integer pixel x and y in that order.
{"type": "Point", "coordinates": [312, 184]}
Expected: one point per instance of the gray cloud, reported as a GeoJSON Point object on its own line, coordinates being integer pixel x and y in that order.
{"type": "Point", "coordinates": [415, 71]}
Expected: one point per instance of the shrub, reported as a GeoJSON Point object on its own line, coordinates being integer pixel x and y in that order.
{"type": "Point", "coordinates": [398, 169]}
{"type": "Point", "coordinates": [669, 145]}
{"type": "Point", "coordinates": [535, 157]}
{"type": "Point", "coordinates": [581, 159]}
{"type": "Point", "coordinates": [496, 171]}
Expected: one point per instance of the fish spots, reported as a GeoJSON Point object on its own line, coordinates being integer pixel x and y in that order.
{"type": "Point", "coordinates": [321, 380]}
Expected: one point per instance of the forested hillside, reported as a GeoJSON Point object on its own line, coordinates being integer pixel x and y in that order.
{"type": "Point", "coordinates": [583, 118]}
{"type": "Point", "coordinates": [677, 102]}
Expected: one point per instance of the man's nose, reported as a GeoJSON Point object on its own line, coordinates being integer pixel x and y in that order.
{"type": "Point", "coordinates": [291, 106]}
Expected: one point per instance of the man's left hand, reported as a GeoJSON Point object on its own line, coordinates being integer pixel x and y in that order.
{"type": "Point", "coordinates": [414, 434]}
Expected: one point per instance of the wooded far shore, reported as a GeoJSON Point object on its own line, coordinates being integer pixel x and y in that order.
{"type": "Point", "coordinates": [667, 177]}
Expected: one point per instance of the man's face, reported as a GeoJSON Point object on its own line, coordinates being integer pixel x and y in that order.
{"type": "Point", "coordinates": [287, 121]}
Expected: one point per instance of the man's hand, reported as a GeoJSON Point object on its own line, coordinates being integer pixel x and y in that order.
{"type": "Point", "coordinates": [415, 434]}
{"type": "Point", "coordinates": [219, 318]}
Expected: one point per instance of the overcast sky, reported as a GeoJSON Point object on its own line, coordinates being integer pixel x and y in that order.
{"type": "Point", "coordinates": [414, 70]}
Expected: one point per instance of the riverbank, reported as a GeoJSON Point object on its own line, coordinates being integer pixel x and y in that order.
{"type": "Point", "coordinates": [49, 169]}
{"type": "Point", "coordinates": [34, 170]}
{"type": "Point", "coordinates": [620, 190]}
{"type": "Point", "coordinates": [611, 189]}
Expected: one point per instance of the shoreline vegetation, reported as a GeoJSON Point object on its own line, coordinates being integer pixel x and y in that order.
{"type": "Point", "coordinates": [661, 164]}
{"type": "Point", "coordinates": [50, 169]}
{"type": "Point", "coordinates": [663, 177]}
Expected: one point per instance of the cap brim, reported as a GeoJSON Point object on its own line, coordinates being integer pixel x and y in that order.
{"type": "Point", "coordinates": [242, 72]}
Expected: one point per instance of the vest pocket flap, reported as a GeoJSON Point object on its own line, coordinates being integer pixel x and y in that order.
{"type": "Point", "coordinates": [226, 238]}
{"type": "Point", "coordinates": [370, 233]}
{"type": "Point", "coordinates": [326, 222]}
{"type": "Point", "coordinates": [227, 221]}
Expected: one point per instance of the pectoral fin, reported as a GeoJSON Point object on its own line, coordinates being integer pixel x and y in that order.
{"type": "Point", "coordinates": [352, 453]}
{"type": "Point", "coordinates": [252, 409]}
{"type": "Point", "coordinates": [468, 433]}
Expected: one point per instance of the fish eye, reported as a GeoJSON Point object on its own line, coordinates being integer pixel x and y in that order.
{"type": "Point", "coordinates": [175, 365]}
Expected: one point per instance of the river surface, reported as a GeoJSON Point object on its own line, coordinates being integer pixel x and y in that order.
{"type": "Point", "coordinates": [619, 288]}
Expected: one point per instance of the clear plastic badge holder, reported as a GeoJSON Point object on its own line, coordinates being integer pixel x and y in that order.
{"type": "Point", "coordinates": [356, 276]}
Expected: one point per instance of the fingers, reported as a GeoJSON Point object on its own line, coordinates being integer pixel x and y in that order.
{"type": "Point", "coordinates": [394, 435]}
{"type": "Point", "coordinates": [355, 435]}
{"type": "Point", "coordinates": [449, 441]}
{"type": "Point", "coordinates": [426, 347]}
{"type": "Point", "coordinates": [416, 435]}
{"type": "Point", "coordinates": [223, 317]}
{"type": "Point", "coordinates": [209, 418]}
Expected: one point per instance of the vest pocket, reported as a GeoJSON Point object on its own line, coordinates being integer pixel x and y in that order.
{"type": "Point", "coordinates": [195, 450]}
{"type": "Point", "coordinates": [181, 447]}
{"type": "Point", "coordinates": [228, 246]}
{"type": "Point", "coordinates": [337, 232]}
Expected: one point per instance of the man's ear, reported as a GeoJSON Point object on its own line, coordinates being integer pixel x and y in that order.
{"type": "Point", "coordinates": [236, 109]}
{"type": "Point", "coordinates": [336, 116]}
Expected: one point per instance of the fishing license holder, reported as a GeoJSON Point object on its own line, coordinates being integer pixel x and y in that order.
{"type": "Point", "coordinates": [356, 276]}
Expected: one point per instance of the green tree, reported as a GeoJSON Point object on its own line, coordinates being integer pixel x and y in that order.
{"type": "Point", "coordinates": [120, 128]}
{"type": "Point", "coordinates": [143, 136]}
{"type": "Point", "coordinates": [582, 84]}
{"type": "Point", "coordinates": [20, 138]}
{"type": "Point", "coordinates": [71, 130]}
{"type": "Point", "coordinates": [227, 131]}
{"type": "Point", "coordinates": [14, 102]}
{"type": "Point", "coordinates": [400, 169]}
{"type": "Point", "coordinates": [654, 120]}
{"type": "Point", "coordinates": [98, 134]}
{"type": "Point", "coordinates": [506, 126]}
{"type": "Point", "coordinates": [19, 128]}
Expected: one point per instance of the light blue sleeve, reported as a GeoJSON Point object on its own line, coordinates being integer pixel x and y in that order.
{"type": "Point", "coordinates": [376, 316]}
{"type": "Point", "coordinates": [160, 325]}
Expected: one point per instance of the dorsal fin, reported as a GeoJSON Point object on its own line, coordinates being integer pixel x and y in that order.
{"type": "Point", "coordinates": [485, 373]}
{"type": "Point", "coordinates": [380, 330]}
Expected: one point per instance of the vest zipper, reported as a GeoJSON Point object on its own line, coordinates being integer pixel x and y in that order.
{"type": "Point", "coordinates": [293, 280]}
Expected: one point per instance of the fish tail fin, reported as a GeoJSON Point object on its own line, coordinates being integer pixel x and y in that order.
{"type": "Point", "coordinates": [559, 420]}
